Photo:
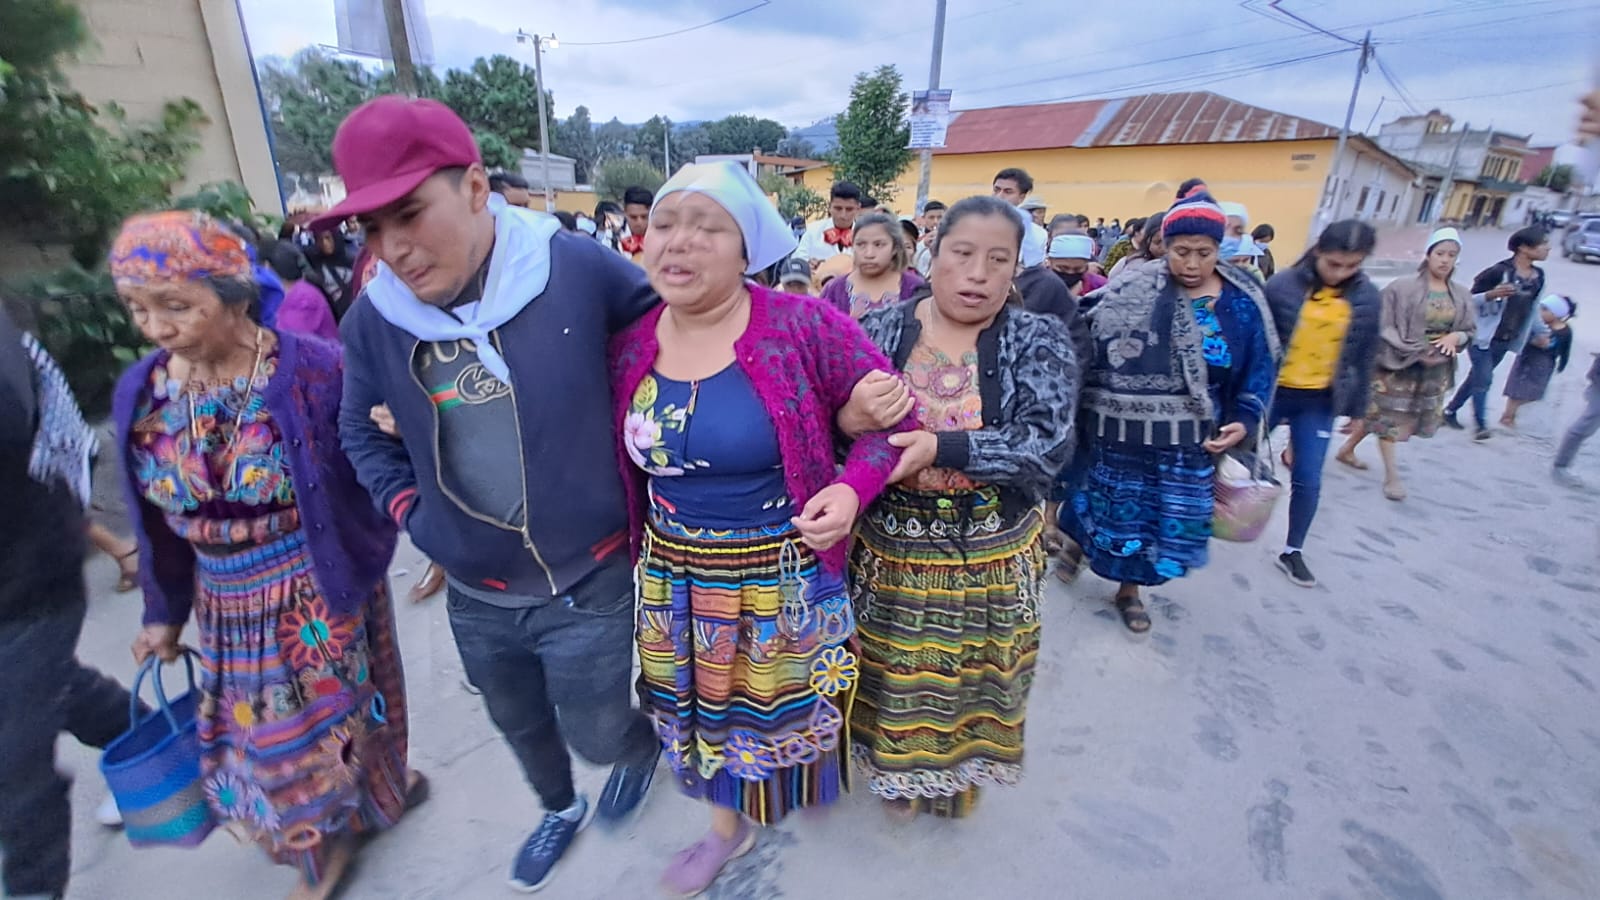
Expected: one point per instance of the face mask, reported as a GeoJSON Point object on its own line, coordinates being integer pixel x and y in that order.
{"type": "Point", "coordinates": [1072, 280]}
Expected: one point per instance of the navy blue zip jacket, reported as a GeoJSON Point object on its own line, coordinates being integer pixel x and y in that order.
{"type": "Point", "coordinates": [556, 350]}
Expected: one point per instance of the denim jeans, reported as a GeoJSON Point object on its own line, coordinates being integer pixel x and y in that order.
{"type": "Point", "coordinates": [1588, 423]}
{"type": "Point", "coordinates": [1309, 415]}
{"type": "Point", "coordinates": [559, 675]}
{"type": "Point", "coordinates": [1479, 380]}
{"type": "Point", "coordinates": [44, 691]}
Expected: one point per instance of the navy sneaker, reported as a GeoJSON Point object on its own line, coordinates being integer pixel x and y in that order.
{"type": "Point", "coordinates": [625, 791]}
{"type": "Point", "coordinates": [536, 861]}
{"type": "Point", "coordinates": [1453, 421]}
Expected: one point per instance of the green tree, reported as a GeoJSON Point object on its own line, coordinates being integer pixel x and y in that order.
{"type": "Point", "coordinates": [650, 140]}
{"type": "Point", "coordinates": [873, 134]}
{"type": "Point", "coordinates": [742, 134]}
{"type": "Point", "coordinates": [69, 169]}
{"type": "Point", "coordinates": [617, 175]}
{"type": "Point", "coordinates": [794, 199]}
{"type": "Point", "coordinates": [497, 152]}
{"type": "Point", "coordinates": [306, 98]}
{"type": "Point", "coordinates": [1557, 178]}
{"type": "Point", "coordinates": [614, 140]}
{"type": "Point", "coordinates": [497, 95]}
{"type": "Point", "coordinates": [574, 137]}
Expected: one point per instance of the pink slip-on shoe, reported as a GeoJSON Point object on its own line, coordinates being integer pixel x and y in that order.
{"type": "Point", "coordinates": [696, 869]}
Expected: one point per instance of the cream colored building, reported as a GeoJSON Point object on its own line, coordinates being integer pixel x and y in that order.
{"type": "Point", "coordinates": [143, 53]}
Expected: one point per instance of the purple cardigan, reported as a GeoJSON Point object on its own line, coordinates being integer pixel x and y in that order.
{"type": "Point", "coordinates": [803, 357]}
{"type": "Point", "coordinates": [350, 542]}
{"type": "Point", "coordinates": [838, 290]}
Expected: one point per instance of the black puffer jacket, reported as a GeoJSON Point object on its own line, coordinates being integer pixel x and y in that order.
{"type": "Point", "coordinates": [1288, 290]}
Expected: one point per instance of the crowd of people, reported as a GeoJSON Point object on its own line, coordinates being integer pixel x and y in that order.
{"type": "Point", "coordinates": [812, 479]}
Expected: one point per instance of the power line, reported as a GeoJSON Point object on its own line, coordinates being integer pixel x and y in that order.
{"type": "Point", "coordinates": [1405, 96]}
{"type": "Point", "coordinates": [1277, 7]}
{"type": "Point", "coordinates": [666, 34]}
{"type": "Point", "coordinates": [1570, 82]}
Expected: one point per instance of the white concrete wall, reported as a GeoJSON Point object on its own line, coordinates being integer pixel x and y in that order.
{"type": "Point", "coordinates": [144, 53]}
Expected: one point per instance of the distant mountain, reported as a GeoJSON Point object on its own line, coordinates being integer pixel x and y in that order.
{"type": "Point", "coordinates": [822, 136]}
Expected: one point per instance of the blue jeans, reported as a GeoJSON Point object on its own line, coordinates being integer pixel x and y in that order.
{"type": "Point", "coordinates": [1309, 415]}
{"type": "Point", "coordinates": [1479, 380]}
{"type": "Point", "coordinates": [556, 675]}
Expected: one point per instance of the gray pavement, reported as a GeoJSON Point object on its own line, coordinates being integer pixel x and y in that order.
{"type": "Point", "coordinates": [1422, 725]}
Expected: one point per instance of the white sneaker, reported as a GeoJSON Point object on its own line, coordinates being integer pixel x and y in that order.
{"type": "Point", "coordinates": [107, 813]}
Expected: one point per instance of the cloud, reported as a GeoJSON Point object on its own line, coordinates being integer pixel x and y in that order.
{"type": "Point", "coordinates": [795, 62]}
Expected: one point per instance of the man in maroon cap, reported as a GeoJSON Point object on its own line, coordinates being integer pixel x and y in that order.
{"type": "Point", "coordinates": [484, 332]}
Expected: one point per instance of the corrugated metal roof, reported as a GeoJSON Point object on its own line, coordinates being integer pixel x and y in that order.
{"type": "Point", "coordinates": [1197, 117]}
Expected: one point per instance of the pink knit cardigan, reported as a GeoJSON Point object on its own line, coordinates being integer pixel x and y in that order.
{"type": "Point", "coordinates": [803, 357]}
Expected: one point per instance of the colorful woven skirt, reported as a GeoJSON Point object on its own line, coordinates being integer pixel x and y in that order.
{"type": "Point", "coordinates": [947, 593]}
{"type": "Point", "coordinates": [745, 669]}
{"type": "Point", "coordinates": [302, 712]}
{"type": "Point", "coordinates": [1141, 514]}
{"type": "Point", "coordinates": [1409, 402]}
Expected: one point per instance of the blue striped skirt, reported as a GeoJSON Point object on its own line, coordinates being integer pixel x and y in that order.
{"type": "Point", "coordinates": [1141, 514]}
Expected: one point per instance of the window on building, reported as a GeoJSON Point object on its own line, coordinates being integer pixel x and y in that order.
{"type": "Point", "coordinates": [1394, 205]}
{"type": "Point", "coordinates": [1362, 203]}
{"type": "Point", "coordinates": [1378, 207]}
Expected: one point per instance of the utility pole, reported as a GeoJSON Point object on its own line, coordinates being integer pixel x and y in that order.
{"type": "Point", "coordinates": [666, 146]}
{"type": "Point", "coordinates": [926, 173]}
{"type": "Point", "coordinates": [405, 71]}
{"type": "Point", "coordinates": [1334, 169]}
{"type": "Point", "coordinates": [539, 41]}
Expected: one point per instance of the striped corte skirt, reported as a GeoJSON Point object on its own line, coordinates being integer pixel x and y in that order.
{"type": "Point", "coordinates": [742, 643]}
{"type": "Point", "coordinates": [303, 712]}
{"type": "Point", "coordinates": [947, 595]}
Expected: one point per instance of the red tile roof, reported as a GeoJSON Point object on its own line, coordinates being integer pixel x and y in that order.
{"type": "Point", "coordinates": [1197, 117]}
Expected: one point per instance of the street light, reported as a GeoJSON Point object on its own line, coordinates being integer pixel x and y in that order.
{"type": "Point", "coordinates": [540, 41]}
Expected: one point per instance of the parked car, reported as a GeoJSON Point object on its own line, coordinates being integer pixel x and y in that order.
{"type": "Point", "coordinates": [1583, 243]}
{"type": "Point", "coordinates": [1561, 218]}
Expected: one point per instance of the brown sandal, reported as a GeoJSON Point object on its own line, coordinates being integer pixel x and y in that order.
{"type": "Point", "coordinates": [1134, 616]}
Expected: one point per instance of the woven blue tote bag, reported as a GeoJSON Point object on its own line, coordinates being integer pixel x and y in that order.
{"type": "Point", "coordinates": [154, 769]}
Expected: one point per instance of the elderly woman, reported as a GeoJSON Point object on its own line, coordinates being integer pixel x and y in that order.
{"type": "Point", "coordinates": [727, 395]}
{"type": "Point", "coordinates": [1427, 320]}
{"type": "Point", "coordinates": [948, 562]}
{"type": "Point", "coordinates": [882, 274]}
{"type": "Point", "coordinates": [247, 514]}
{"type": "Point", "coordinates": [1183, 367]}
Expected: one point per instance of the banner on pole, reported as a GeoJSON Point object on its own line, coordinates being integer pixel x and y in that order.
{"type": "Point", "coordinates": [930, 119]}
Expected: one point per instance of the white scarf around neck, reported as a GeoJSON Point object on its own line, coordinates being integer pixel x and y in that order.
{"type": "Point", "coordinates": [519, 270]}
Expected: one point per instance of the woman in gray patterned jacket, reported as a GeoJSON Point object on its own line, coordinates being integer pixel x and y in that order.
{"type": "Point", "coordinates": [947, 566]}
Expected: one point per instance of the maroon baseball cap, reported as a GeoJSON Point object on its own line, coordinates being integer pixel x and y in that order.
{"type": "Point", "coordinates": [389, 145]}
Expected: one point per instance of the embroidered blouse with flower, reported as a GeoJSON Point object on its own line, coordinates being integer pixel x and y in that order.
{"type": "Point", "coordinates": [210, 457]}
{"type": "Point", "coordinates": [802, 358]}
{"type": "Point", "coordinates": [710, 466]}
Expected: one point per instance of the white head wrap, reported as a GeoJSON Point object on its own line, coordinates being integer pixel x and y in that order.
{"type": "Point", "coordinates": [1558, 305]}
{"type": "Point", "coordinates": [1442, 235]}
{"type": "Point", "coordinates": [1236, 209]}
{"type": "Point", "coordinates": [767, 237]}
{"type": "Point", "coordinates": [1072, 246]}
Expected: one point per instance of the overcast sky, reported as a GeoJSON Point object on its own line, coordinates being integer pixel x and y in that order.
{"type": "Point", "coordinates": [1515, 65]}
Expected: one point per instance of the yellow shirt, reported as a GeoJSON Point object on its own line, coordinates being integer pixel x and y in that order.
{"type": "Point", "coordinates": [1318, 338]}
